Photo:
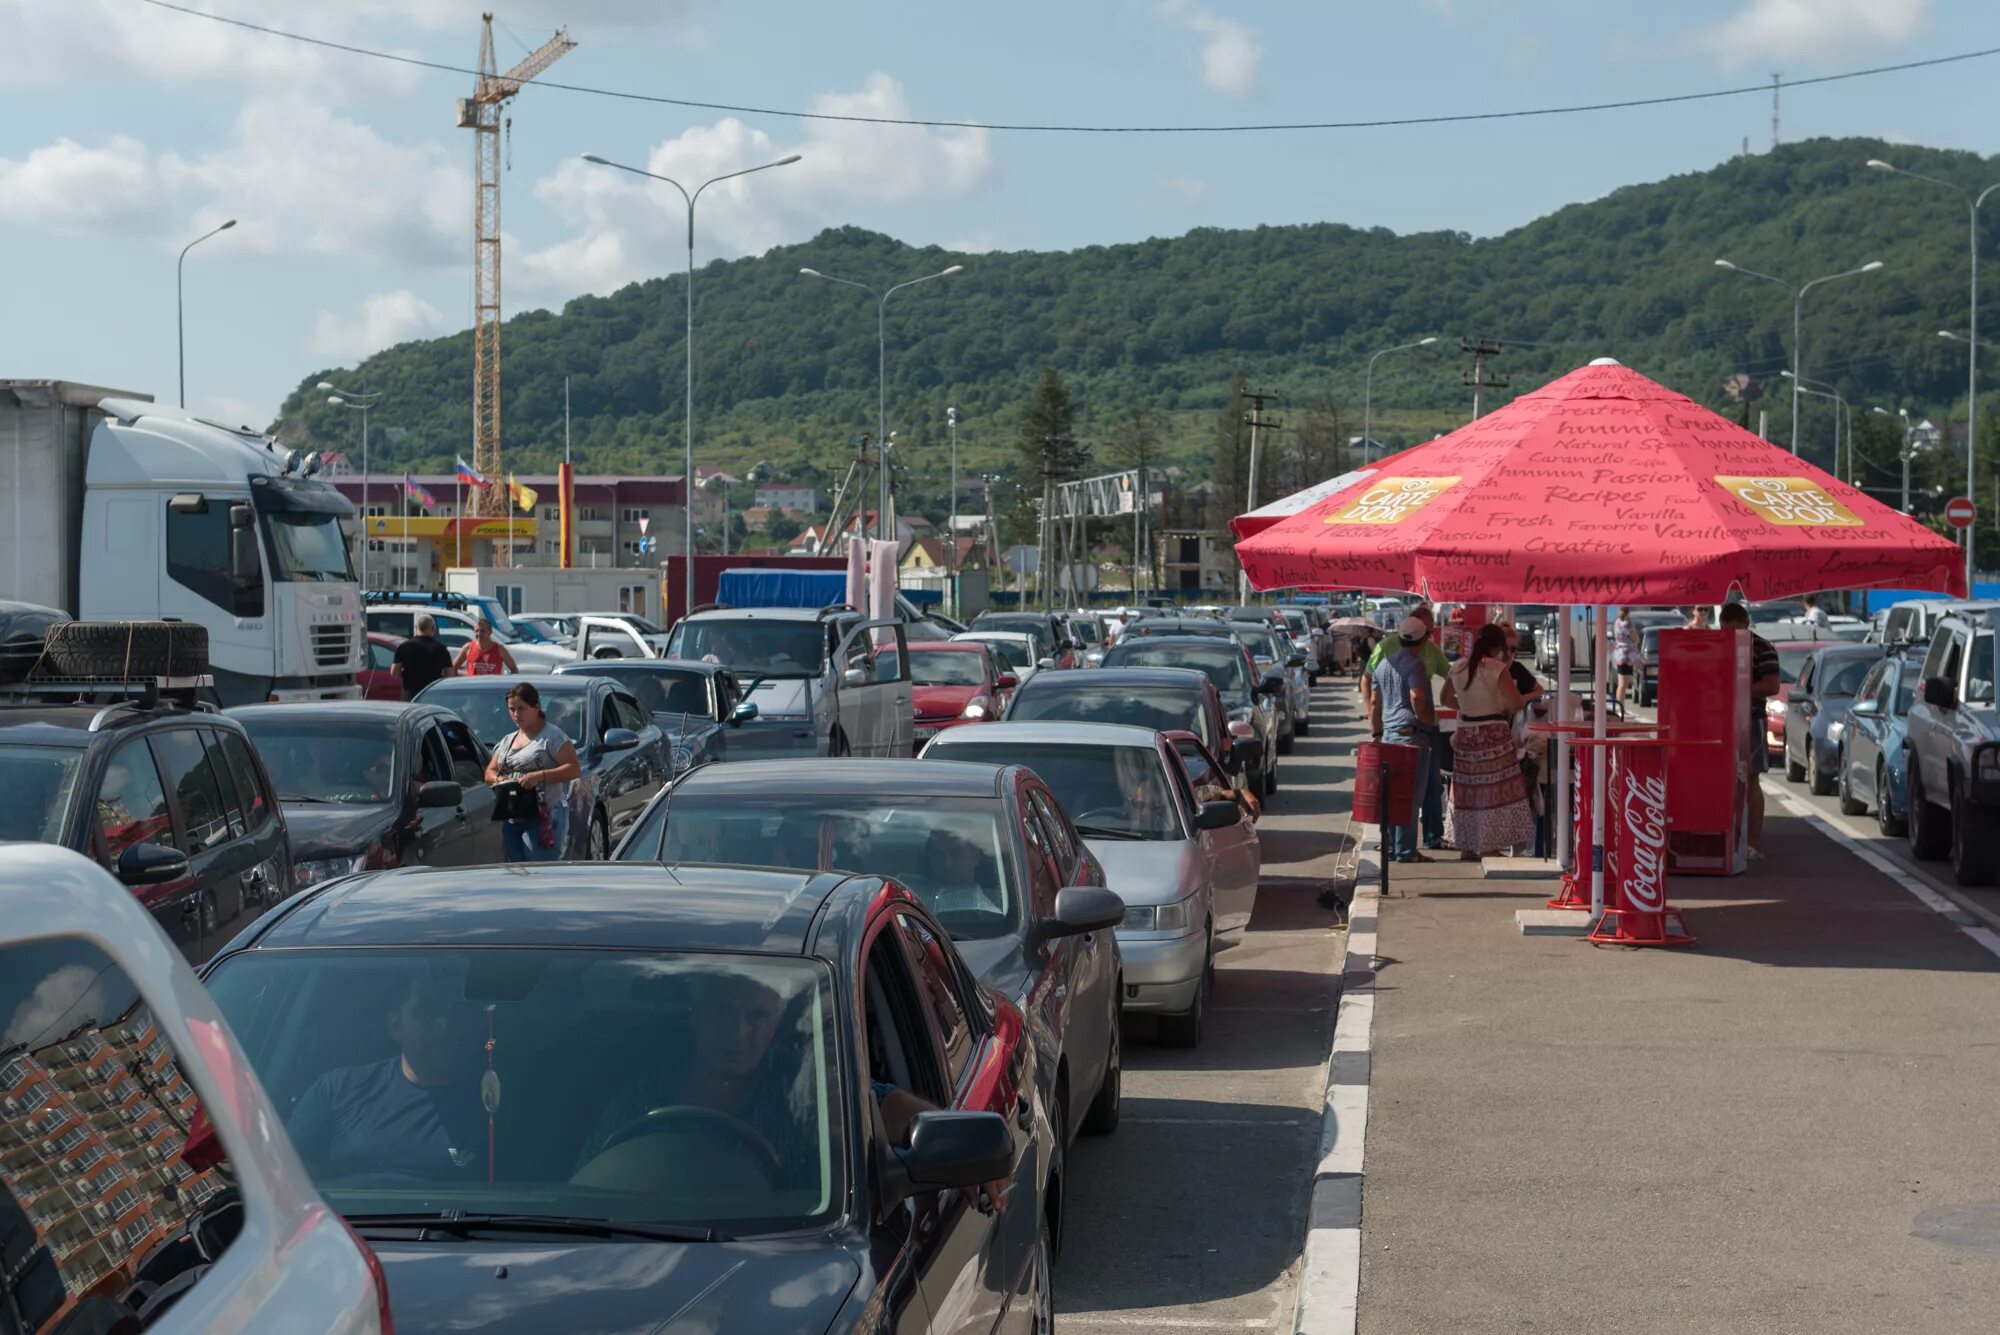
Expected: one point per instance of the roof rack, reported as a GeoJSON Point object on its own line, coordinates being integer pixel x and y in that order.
{"type": "Point", "coordinates": [114, 694]}
{"type": "Point", "coordinates": [453, 601]}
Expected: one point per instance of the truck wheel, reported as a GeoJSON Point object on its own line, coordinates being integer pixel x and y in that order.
{"type": "Point", "coordinates": [125, 649]}
{"type": "Point", "coordinates": [1817, 783]}
{"type": "Point", "coordinates": [1849, 804]}
{"type": "Point", "coordinates": [1975, 848]}
{"type": "Point", "coordinates": [1930, 826]}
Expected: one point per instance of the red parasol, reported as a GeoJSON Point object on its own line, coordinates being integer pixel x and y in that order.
{"type": "Point", "coordinates": [1602, 487]}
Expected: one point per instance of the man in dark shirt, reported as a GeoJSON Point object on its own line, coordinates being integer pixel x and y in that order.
{"type": "Point", "coordinates": [416, 1115]}
{"type": "Point", "coordinates": [1764, 682]}
{"type": "Point", "coordinates": [421, 660]}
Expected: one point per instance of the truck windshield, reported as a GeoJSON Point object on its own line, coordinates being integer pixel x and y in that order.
{"type": "Point", "coordinates": [307, 546]}
{"type": "Point", "coordinates": [756, 648]}
{"type": "Point", "coordinates": [38, 779]}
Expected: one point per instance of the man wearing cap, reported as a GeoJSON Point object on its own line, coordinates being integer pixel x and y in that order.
{"type": "Point", "coordinates": [1430, 779]}
{"type": "Point", "coordinates": [1400, 711]}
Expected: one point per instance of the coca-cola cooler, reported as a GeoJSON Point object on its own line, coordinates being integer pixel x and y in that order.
{"type": "Point", "coordinates": [1704, 695]}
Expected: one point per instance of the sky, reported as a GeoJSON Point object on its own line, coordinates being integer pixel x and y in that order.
{"type": "Point", "coordinates": [126, 131]}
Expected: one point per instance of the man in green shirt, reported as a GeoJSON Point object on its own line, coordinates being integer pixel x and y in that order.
{"type": "Point", "coordinates": [1430, 783]}
{"type": "Point", "coordinates": [1432, 657]}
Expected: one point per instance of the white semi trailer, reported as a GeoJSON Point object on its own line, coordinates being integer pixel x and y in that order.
{"type": "Point", "coordinates": [120, 509]}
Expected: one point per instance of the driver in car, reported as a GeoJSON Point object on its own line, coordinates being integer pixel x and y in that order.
{"type": "Point", "coordinates": [417, 1114]}
{"type": "Point", "coordinates": [1139, 783]}
{"type": "Point", "coordinates": [954, 869]}
{"type": "Point", "coordinates": [722, 650]}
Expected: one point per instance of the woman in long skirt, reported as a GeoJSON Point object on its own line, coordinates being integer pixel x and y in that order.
{"type": "Point", "coordinates": [1489, 800]}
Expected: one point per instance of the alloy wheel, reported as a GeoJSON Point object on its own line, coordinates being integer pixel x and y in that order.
{"type": "Point", "coordinates": [1042, 1286]}
{"type": "Point", "coordinates": [600, 842]}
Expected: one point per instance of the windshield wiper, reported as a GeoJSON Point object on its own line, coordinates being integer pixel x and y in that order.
{"type": "Point", "coordinates": [302, 797]}
{"type": "Point", "coordinates": [1107, 832]}
{"type": "Point", "coordinates": [462, 1223]}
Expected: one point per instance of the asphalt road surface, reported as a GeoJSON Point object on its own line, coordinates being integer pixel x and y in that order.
{"type": "Point", "coordinates": [1191, 1216]}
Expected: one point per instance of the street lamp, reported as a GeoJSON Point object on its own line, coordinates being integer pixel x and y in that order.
{"type": "Point", "coordinates": [1903, 413]}
{"type": "Point", "coordinates": [882, 373]}
{"type": "Point", "coordinates": [1820, 389]}
{"type": "Point", "coordinates": [341, 398]}
{"type": "Point", "coordinates": [1972, 203]}
{"type": "Point", "coordinates": [951, 534]}
{"type": "Point", "coordinates": [1798, 306]}
{"type": "Point", "coordinates": [180, 306]}
{"type": "Point", "coordinates": [1368, 388]}
{"type": "Point", "coordinates": [687, 431]}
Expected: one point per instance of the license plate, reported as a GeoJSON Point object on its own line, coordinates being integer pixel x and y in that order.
{"type": "Point", "coordinates": [925, 734]}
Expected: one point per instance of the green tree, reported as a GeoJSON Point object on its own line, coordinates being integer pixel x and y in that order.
{"type": "Point", "coordinates": [1315, 447]}
{"type": "Point", "coordinates": [783, 528]}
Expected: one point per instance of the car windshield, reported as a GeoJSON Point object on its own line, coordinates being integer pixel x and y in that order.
{"type": "Point", "coordinates": [349, 760]}
{"type": "Point", "coordinates": [1111, 792]}
{"type": "Point", "coordinates": [1034, 628]}
{"type": "Point", "coordinates": [946, 850]}
{"type": "Point", "coordinates": [639, 623]}
{"type": "Point", "coordinates": [1015, 651]}
{"type": "Point", "coordinates": [679, 1089]}
{"type": "Point", "coordinates": [1223, 664]}
{"type": "Point", "coordinates": [1297, 623]}
{"type": "Point", "coordinates": [484, 708]}
{"type": "Point", "coordinates": [1979, 671]}
{"type": "Point", "coordinates": [307, 546]}
{"type": "Point", "coordinates": [949, 667]}
{"type": "Point", "coordinates": [1765, 613]}
{"type": "Point", "coordinates": [1842, 676]}
{"type": "Point", "coordinates": [1262, 644]}
{"type": "Point", "coordinates": [1113, 704]}
{"type": "Point", "coordinates": [661, 690]}
{"type": "Point", "coordinates": [754, 648]}
{"type": "Point", "coordinates": [1790, 661]}
{"type": "Point", "coordinates": [41, 779]}
{"type": "Point", "coordinates": [1087, 630]}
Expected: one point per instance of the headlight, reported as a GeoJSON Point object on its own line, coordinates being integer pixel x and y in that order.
{"type": "Point", "coordinates": [315, 870]}
{"type": "Point", "coordinates": [1160, 917]}
{"type": "Point", "coordinates": [1835, 730]}
{"type": "Point", "coordinates": [976, 709]}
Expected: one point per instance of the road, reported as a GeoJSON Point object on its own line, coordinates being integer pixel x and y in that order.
{"type": "Point", "coordinates": [1191, 1216]}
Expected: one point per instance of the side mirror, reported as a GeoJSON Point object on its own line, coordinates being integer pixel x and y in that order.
{"type": "Point", "coordinates": [1006, 681]}
{"type": "Point", "coordinates": [1217, 815]}
{"type": "Point", "coordinates": [246, 569]}
{"type": "Point", "coordinates": [439, 793]}
{"type": "Point", "coordinates": [1865, 709]}
{"type": "Point", "coordinates": [150, 864]}
{"type": "Point", "coordinates": [1045, 662]}
{"type": "Point", "coordinates": [949, 1149]}
{"type": "Point", "coordinates": [854, 677]}
{"type": "Point", "coordinates": [1939, 693]}
{"type": "Point", "coordinates": [1081, 909]}
{"type": "Point", "coordinates": [745, 711]}
{"type": "Point", "coordinates": [1296, 660]}
{"type": "Point", "coordinates": [1243, 751]}
{"type": "Point", "coordinates": [1272, 684]}
{"type": "Point", "coordinates": [618, 739]}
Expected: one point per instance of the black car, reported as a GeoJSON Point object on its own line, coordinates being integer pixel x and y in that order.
{"type": "Point", "coordinates": [1164, 699]}
{"type": "Point", "coordinates": [697, 705]}
{"type": "Point", "coordinates": [624, 755]}
{"type": "Point", "coordinates": [369, 784]}
{"type": "Point", "coordinates": [1252, 701]}
{"type": "Point", "coordinates": [171, 800]}
{"type": "Point", "coordinates": [1207, 627]}
{"type": "Point", "coordinates": [988, 848]}
{"type": "Point", "coordinates": [1058, 648]}
{"type": "Point", "coordinates": [641, 1098]}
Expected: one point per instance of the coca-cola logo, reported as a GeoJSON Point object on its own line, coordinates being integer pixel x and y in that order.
{"type": "Point", "coordinates": [1645, 851]}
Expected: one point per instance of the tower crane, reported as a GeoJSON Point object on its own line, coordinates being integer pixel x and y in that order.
{"type": "Point", "coordinates": [480, 113]}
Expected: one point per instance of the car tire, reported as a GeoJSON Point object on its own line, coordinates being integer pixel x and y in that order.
{"type": "Point", "coordinates": [836, 746]}
{"type": "Point", "coordinates": [1304, 727]}
{"type": "Point", "coordinates": [1185, 1030]}
{"type": "Point", "coordinates": [1795, 770]}
{"type": "Point", "coordinates": [1271, 779]}
{"type": "Point", "coordinates": [1850, 805]}
{"type": "Point", "coordinates": [1109, 1105]}
{"type": "Point", "coordinates": [1886, 819]}
{"type": "Point", "coordinates": [124, 649]}
{"type": "Point", "coordinates": [1041, 1282]}
{"type": "Point", "coordinates": [1929, 827]}
{"type": "Point", "coordinates": [1817, 782]}
{"type": "Point", "coordinates": [600, 842]}
{"type": "Point", "coordinates": [1975, 849]}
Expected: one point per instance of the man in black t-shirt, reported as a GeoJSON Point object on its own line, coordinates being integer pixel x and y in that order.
{"type": "Point", "coordinates": [421, 660]}
{"type": "Point", "coordinates": [1765, 680]}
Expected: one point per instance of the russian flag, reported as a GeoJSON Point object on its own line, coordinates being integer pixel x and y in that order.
{"type": "Point", "coordinates": [470, 475]}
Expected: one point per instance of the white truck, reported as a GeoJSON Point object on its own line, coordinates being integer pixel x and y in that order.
{"type": "Point", "coordinates": [121, 509]}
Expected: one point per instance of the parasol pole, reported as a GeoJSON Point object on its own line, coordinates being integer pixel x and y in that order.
{"type": "Point", "coordinates": [1599, 728]}
{"type": "Point", "coordinates": [1559, 831]}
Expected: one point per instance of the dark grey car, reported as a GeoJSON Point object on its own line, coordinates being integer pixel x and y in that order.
{"type": "Point", "coordinates": [1826, 686]}
{"type": "Point", "coordinates": [699, 706]}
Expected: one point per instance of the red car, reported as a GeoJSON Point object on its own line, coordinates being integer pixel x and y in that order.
{"type": "Point", "coordinates": [375, 680]}
{"type": "Point", "coordinates": [1792, 656]}
{"type": "Point", "coordinates": [954, 682]}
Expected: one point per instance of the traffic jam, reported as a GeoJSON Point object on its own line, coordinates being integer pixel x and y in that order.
{"type": "Point", "coordinates": [758, 974]}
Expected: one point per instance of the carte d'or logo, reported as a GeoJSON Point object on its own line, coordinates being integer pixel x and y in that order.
{"type": "Point", "coordinates": [1393, 501]}
{"type": "Point", "coordinates": [1790, 502]}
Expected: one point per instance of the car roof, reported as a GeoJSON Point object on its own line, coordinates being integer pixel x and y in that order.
{"type": "Point", "coordinates": [29, 724]}
{"type": "Point", "coordinates": [579, 681]}
{"type": "Point", "coordinates": [949, 646]}
{"type": "Point", "coordinates": [757, 614]}
{"type": "Point", "coordinates": [1062, 732]}
{"type": "Point", "coordinates": [876, 778]}
{"type": "Point", "coordinates": [1799, 644]}
{"type": "Point", "coordinates": [585, 667]}
{"type": "Point", "coordinates": [1181, 642]}
{"type": "Point", "coordinates": [385, 710]}
{"type": "Point", "coordinates": [583, 905]}
{"type": "Point", "coordinates": [1189, 679]}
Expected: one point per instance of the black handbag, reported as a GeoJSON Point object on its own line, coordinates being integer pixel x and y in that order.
{"type": "Point", "coordinates": [513, 802]}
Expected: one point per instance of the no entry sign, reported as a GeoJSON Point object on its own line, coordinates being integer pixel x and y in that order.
{"type": "Point", "coordinates": [1959, 512]}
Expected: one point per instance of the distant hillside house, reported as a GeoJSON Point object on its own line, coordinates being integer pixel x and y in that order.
{"type": "Point", "coordinates": [781, 497]}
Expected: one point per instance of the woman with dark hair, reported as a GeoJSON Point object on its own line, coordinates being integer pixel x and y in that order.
{"type": "Point", "coordinates": [1489, 799]}
{"type": "Point", "coordinates": [541, 759]}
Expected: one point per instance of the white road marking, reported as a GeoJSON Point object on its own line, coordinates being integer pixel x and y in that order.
{"type": "Point", "coordinates": [1283, 1123]}
{"type": "Point", "coordinates": [1159, 1322]}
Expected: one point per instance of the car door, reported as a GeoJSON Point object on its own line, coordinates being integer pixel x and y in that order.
{"type": "Point", "coordinates": [480, 833]}
{"type": "Point", "coordinates": [874, 699]}
{"type": "Point", "coordinates": [1236, 850]}
{"type": "Point", "coordinates": [435, 836]}
{"type": "Point", "coordinates": [132, 808]}
{"type": "Point", "coordinates": [624, 780]}
{"type": "Point", "coordinates": [1085, 964]}
{"type": "Point", "coordinates": [1865, 729]}
{"type": "Point", "coordinates": [608, 637]}
{"type": "Point", "coordinates": [268, 878]}
{"type": "Point", "coordinates": [1930, 728]}
{"type": "Point", "coordinates": [1800, 706]}
{"type": "Point", "coordinates": [195, 780]}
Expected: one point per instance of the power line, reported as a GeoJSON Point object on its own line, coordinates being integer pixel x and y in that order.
{"type": "Point", "coordinates": [1023, 127]}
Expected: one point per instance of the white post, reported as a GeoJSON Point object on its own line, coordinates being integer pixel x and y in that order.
{"type": "Point", "coordinates": [1600, 687]}
{"type": "Point", "coordinates": [1559, 832]}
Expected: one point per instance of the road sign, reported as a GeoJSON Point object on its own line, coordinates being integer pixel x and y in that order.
{"type": "Point", "coordinates": [643, 521]}
{"type": "Point", "coordinates": [1959, 512]}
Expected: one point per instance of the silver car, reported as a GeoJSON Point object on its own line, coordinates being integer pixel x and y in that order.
{"type": "Point", "coordinates": [1166, 852]}
{"type": "Point", "coordinates": [1275, 652]}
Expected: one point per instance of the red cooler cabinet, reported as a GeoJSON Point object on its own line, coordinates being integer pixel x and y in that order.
{"type": "Point", "coordinates": [1704, 694]}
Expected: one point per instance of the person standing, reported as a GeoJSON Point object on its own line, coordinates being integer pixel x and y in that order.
{"type": "Point", "coordinates": [421, 660]}
{"type": "Point", "coordinates": [1764, 682]}
{"type": "Point", "coordinates": [1400, 711]}
{"type": "Point", "coordinates": [540, 757]}
{"type": "Point", "coordinates": [1489, 797]}
{"type": "Point", "coordinates": [1430, 779]}
{"type": "Point", "coordinates": [1697, 617]}
{"type": "Point", "coordinates": [1624, 656]}
{"type": "Point", "coordinates": [484, 656]}
{"type": "Point", "coordinates": [1815, 614]}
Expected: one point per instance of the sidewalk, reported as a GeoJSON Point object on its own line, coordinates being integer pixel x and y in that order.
{"type": "Point", "coordinates": [1791, 1126]}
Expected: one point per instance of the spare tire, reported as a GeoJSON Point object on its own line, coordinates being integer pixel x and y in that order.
{"type": "Point", "coordinates": [124, 650]}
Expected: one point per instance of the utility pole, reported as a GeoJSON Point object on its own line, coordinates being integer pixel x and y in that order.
{"type": "Point", "coordinates": [1777, 84]}
{"type": "Point", "coordinates": [1255, 417]}
{"type": "Point", "coordinates": [1480, 349]}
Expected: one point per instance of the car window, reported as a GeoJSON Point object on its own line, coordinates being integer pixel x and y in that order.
{"type": "Point", "coordinates": [218, 764]}
{"type": "Point", "coordinates": [1115, 792]}
{"type": "Point", "coordinates": [199, 546]}
{"type": "Point", "coordinates": [381, 657]}
{"type": "Point", "coordinates": [938, 982]}
{"type": "Point", "coordinates": [191, 772]}
{"type": "Point", "coordinates": [1898, 625]}
{"type": "Point", "coordinates": [468, 763]}
{"type": "Point", "coordinates": [40, 782]}
{"type": "Point", "coordinates": [1042, 880]}
{"type": "Point", "coordinates": [317, 758]}
{"type": "Point", "coordinates": [436, 757]}
{"type": "Point", "coordinates": [132, 802]}
{"type": "Point", "coordinates": [1805, 683]}
{"type": "Point", "coordinates": [484, 708]}
{"type": "Point", "coordinates": [1062, 841]}
{"type": "Point", "coordinates": [1906, 689]}
{"type": "Point", "coordinates": [97, 1100]}
{"type": "Point", "coordinates": [901, 1055]}
{"type": "Point", "coordinates": [671, 691]}
{"type": "Point", "coordinates": [1844, 676]}
{"type": "Point", "coordinates": [1871, 685]}
{"type": "Point", "coordinates": [1085, 702]}
{"type": "Point", "coordinates": [397, 623]}
{"type": "Point", "coordinates": [1934, 661]}
{"type": "Point", "coordinates": [1979, 671]}
{"type": "Point", "coordinates": [1954, 657]}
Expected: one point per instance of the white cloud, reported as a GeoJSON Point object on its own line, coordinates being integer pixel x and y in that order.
{"type": "Point", "coordinates": [72, 187]}
{"type": "Point", "coordinates": [384, 320]}
{"type": "Point", "coordinates": [1230, 52]}
{"type": "Point", "coordinates": [232, 411]}
{"type": "Point", "coordinates": [1188, 189]}
{"type": "Point", "coordinates": [1768, 31]}
{"type": "Point", "coordinates": [632, 228]}
{"type": "Point", "coordinates": [58, 1004]}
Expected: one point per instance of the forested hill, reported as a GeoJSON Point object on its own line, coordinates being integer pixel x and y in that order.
{"type": "Point", "coordinates": [787, 364]}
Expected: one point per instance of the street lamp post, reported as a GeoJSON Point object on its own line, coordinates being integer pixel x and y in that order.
{"type": "Point", "coordinates": [1798, 311]}
{"type": "Point", "coordinates": [1972, 203]}
{"type": "Point", "coordinates": [1903, 413]}
{"type": "Point", "coordinates": [180, 306]}
{"type": "Point", "coordinates": [1820, 389]}
{"type": "Point", "coordinates": [687, 431]}
{"type": "Point", "coordinates": [1368, 389]}
{"type": "Point", "coordinates": [882, 375]}
{"type": "Point", "coordinates": [951, 533]}
{"type": "Point", "coordinates": [341, 398]}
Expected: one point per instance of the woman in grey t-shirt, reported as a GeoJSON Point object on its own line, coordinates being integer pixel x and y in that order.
{"type": "Point", "coordinates": [541, 758]}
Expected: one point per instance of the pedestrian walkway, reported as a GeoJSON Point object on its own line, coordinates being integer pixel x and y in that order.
{"type": "Point", "coordinates": [1789, 1127]}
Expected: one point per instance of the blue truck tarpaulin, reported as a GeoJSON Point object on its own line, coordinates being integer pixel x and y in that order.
{"type": "Point", "coordinates": [781, 588]}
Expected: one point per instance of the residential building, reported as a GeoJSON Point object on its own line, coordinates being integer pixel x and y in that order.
{"type": "Point", "coordinates": [1194, 558]}
{"type": "Point", "coordinates": [782, 496]}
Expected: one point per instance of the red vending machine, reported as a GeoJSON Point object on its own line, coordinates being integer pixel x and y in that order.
{"type": "Point", "coordinates": [1704, 694]}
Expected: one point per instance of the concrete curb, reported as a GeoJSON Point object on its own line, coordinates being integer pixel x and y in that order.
{"type": "Point", "coordinates": [1330, 1268]}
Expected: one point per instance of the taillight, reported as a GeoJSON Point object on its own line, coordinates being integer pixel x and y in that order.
{"type": "Point", "coordinates": [384, 1319]}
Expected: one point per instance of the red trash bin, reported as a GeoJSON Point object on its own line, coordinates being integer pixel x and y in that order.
{"type": "Point", "coordinates": [1385, 783]}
